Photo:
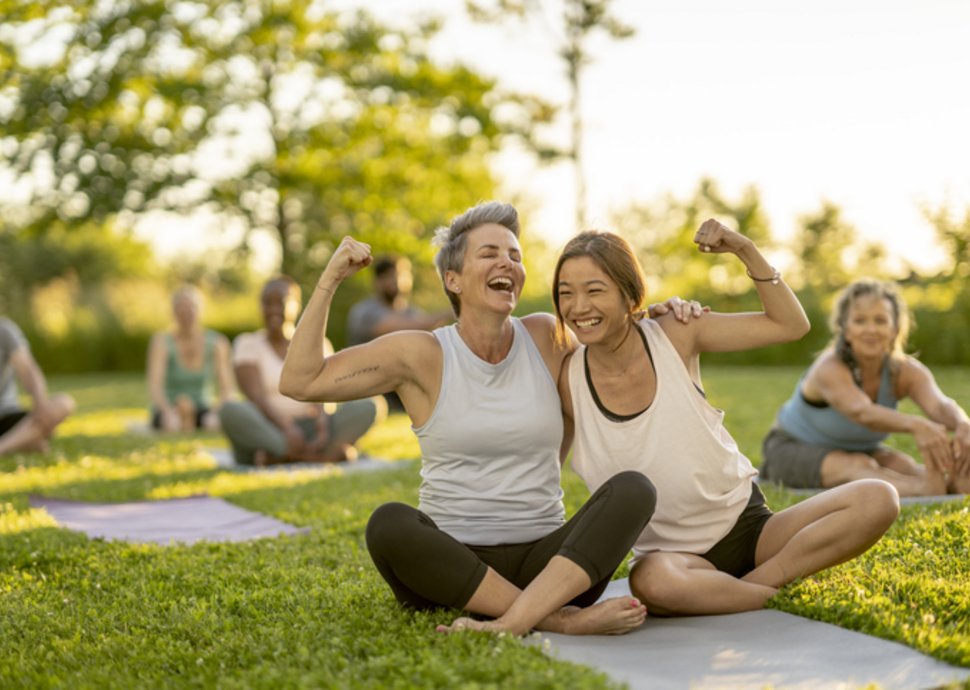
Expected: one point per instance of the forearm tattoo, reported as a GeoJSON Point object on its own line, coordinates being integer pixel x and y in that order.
{"type": "Point", "coordinates": [354, 374]}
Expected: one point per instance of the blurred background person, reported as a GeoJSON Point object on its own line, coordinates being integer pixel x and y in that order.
{"type": "Point", "coordinates": [269, 427]}
{"type": "Point", "coordinates": [389, 309]}
{"type": "Point", "coordinates": [22, 430]}
{"type": "Point", "coordinates": [831, 430]}
{"type": "Point", "coordinates": [185, 365]}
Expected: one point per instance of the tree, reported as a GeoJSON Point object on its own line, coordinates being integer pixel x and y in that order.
{"type": "Point", "coordinates": [279, 116]}
{"type": "Point", "coordinates": [581, 19]}
{"type": "Point", "coordinates": [954, 235]}
{"type": "Point", "coordinates": [662, 233]}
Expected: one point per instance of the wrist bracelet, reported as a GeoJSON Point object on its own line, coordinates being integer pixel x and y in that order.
{"type": "Point", "coordinates": [774, 279]}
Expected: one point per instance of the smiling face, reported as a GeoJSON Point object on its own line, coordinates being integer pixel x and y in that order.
{"type": "Point", "coordinates": [870, 327]}
{"type": "Point", "coordinates": [186, 309]}
{"type": "Point", "coordinates": [280, 302]}
{"type": "Point", "coordinates": [492, 273]}
{"type": "Point", "coordinates": [590, 303]}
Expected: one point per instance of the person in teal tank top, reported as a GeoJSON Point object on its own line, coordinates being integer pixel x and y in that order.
{"type": "Point", "coordinates": [185, 365]}
{"type": "Point", "coordinates": [831, 430]}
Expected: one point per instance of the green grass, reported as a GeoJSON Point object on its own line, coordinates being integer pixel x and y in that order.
{"type": "Point", "coordinates": [310, 611]}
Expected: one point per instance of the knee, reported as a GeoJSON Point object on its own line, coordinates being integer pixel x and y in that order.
{"type": "Point", "coordinates": [387, 528]}
{"type": "Point", "coordinates": [634, 489]}
{"type": "Point", "coordinates": [65, 405]}
{"type": "Point", "coordinates": [878, 500]}
{"type": "Point", "coordinates": [229, 412]}
{"type": "Point", "coordinates": [657, 587]}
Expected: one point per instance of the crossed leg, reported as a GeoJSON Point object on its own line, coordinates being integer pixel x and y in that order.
{"type": "Point", "coordinates": [822, 531]}
{"type": "Point", "coordinates": [550, 584]}
{"type": "Point", "coordinates": [30, 434]}
{"type": "Point", "coordinates": [542, 605]}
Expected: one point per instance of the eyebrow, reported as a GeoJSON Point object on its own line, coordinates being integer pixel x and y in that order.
{"type": "Point", "coordinates": [597, 281]}
{"type": "Point", "coordinates": [512, 250]}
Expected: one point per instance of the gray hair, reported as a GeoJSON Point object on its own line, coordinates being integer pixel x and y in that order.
{"type": "Point", "coordinates": [452, 240]}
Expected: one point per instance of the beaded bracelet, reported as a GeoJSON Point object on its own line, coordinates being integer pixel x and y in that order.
{"type": "Point", "coordinates": [774, 279]}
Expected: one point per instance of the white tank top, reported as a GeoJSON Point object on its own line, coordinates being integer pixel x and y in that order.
{"type": "Point", "coordinates": [490, 450]}
{"type": "Point", "coordinates": [703, 481]}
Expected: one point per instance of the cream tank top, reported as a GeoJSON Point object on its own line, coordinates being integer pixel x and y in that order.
{"type": "Point", "coordinates": [490, 450]}
{"type": "Point", "coordinates": [703, 481]}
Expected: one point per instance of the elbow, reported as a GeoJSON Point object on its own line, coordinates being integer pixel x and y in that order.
{"type": "Point", "coordinates": [797, 329]}
{"type": "Point", "coordinates": [291, 388]}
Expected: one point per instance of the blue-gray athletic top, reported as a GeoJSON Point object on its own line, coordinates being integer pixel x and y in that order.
{"type": "Point", "coordinates": [819, 423]}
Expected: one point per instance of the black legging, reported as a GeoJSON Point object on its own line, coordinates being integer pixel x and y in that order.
{"type": "Point", "coordinates": [427, 568]}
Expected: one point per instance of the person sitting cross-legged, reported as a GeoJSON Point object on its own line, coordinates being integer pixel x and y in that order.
{"type": "Point", "coordinates": [25, 430]}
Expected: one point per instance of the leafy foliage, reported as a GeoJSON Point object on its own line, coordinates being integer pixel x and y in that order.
{"type": "Point", "coordinates": [287, 117]}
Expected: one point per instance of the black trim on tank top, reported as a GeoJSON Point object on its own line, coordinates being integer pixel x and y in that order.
{"type": "Point", "coordinates": [613, 416]}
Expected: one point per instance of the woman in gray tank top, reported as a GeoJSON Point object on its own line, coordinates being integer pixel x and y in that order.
{"type": "Point", "coordinates": [489, 535]}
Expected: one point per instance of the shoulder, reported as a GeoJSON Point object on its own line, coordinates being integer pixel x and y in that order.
{"type": "Point", "coordinates": [680, 334]}
{"type": "Point", "coordinates": [11, 331]}
{"type": "Point", "coordinates": [827, 364]}
{"type": "Point", "coordinates": [910, 372]}
{"type": "Point", "coordinates": [247, 344]}
{"type": "Point", "coordinates": [159, 339]}
{"type": "Point", "coordinates": [828, 372]}
{"type": "Point", "coordinates": [543, 329]}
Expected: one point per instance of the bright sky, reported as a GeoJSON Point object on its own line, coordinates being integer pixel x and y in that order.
{"type": "Point", "coordinates": [863, 103]}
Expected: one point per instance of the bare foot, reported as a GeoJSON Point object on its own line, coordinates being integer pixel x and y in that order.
{"type": "Point", "coordinates": [186, 413]}
{"type": "Point", "coordinates": [959, 484]}
{"type": "Point", "coordinates": [465, 623]}
{"type": "Point", "coordinates": [611, 617]}
{"type": "Point", "coordinates": [934, 484]}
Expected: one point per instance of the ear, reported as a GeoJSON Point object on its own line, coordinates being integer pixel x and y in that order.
{"type": "Point", "coordinates": [451, 282]}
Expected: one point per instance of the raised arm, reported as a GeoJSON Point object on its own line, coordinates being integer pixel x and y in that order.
{"type": "Point", "coordinates": [379, 366]}
{"type": "Point", "coordinates": [782, 319]}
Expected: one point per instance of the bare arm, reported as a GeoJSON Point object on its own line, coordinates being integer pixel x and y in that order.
{"type": "Point", "coordinates": [358, 372]}
{"type": "Point", "coordinates": [32, 381]}
{"type": "Point", "coordinates": [224, 375]}
{"type": "Point", "coordinates": [782, 319]}
{"type": "Point", "coordinates": [833, 382]}
{"type": "Point", "coordinates": [919, 384]}
{"type": "Point", "coordinates": [569, 426]}
{"type": "Point", "coordinates": [157, 365]}
{"type": "Point", "coordinates": [395, 321]}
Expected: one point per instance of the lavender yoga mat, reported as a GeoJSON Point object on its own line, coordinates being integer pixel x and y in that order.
{"type": "Point", "coordinates": [181, 520]}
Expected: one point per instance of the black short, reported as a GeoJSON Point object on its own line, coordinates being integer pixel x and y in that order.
{"type": "Point", "coordinates": [734, 554]}
{"type": "Point", "coordinates": [199, 414]}
{"type": "Point", "coordinates": [9, 420]}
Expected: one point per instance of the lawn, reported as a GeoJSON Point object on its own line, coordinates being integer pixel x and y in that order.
{"type": "Point", "coordinates": [310, 611]}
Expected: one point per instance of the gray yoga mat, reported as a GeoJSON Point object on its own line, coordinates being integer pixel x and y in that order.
{"type": "Point", "coordinates": [224, 459]}
{"type": "Point", "coordinates": [750, 650]}
{"type": "Point", "coordinates": [903, 500]}
{"type": "Point", "coordinates": [177, 520]}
